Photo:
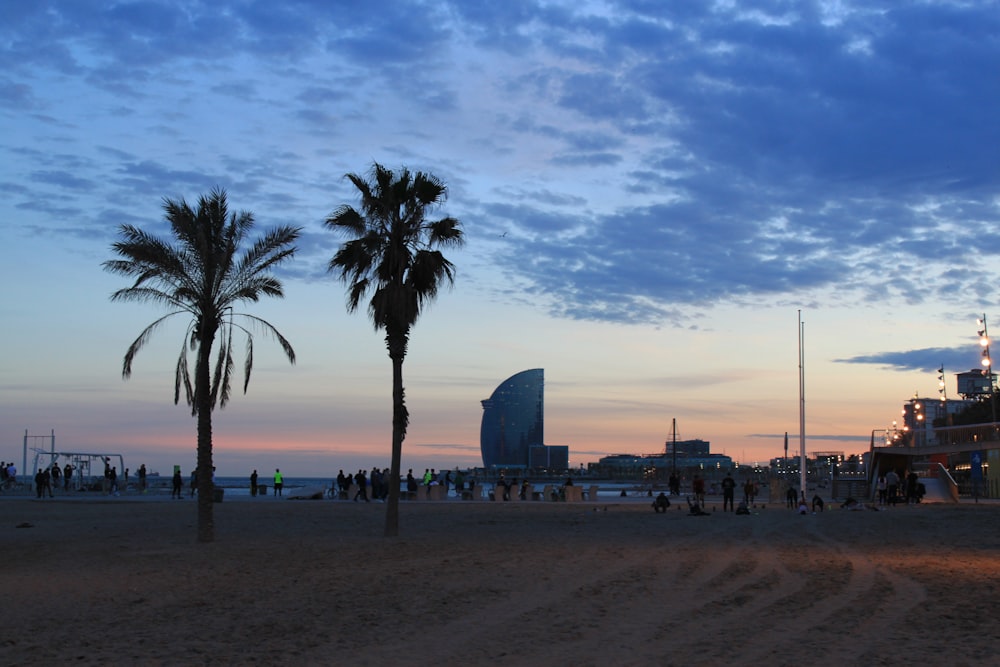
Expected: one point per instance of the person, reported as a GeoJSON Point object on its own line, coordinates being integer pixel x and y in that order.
{"type": "Point", "coordinates": [502, 489]}
{"type": "Point", "coordinates": [142, 478]}
{"type": "Point", "coordinates": [523, 493]}
{"type": "Point", "coordinates": [253, 483]}
{"type": "Point", "coordinates": [912, 484]}
{"type": "Point", "coordinates": [698, 486]}
{"type": "Point", "coordinates": [892, 486]}
{"type": "Point", "coordinates": [279, 481]}
{"type": "Point", "coordinates": [661, 503]}
{"type": "Point", "coordinates": [67, 476]}
{"type": "Point", "coordinates": [194, 481]}
{"type": "Point", "coordinates": [749, 492]}
{"type": "Point", "coordinates": [362, 483]}
{"type": "Point", "coordinates": [411, 485]}
{"type": "Point", "coordinates": [790, 497]}
{"type": "Point", "coordinates": [817, 502]}
{"type": "Point", "coordinates": [803, 505]}
{"type": "Point", "coordinates": [742, 508]}
{"type": "Point", "coordinates": [882, 489]}
{"type": "Point", "coordinates": [694, 508]}
{"type": "Point", "coordinates": [178, 485]}
{"type": "Point", "coordinates": [728, 492]}
{"type": "Point", "coordinates": [56, 473]}
{"type": "Point", "coordinates": [674, 483]}
{"type": "Point", "coordinates": [39, 484]}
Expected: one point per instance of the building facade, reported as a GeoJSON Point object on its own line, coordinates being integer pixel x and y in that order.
{"type": "Point", "coordinates": [514, 421]}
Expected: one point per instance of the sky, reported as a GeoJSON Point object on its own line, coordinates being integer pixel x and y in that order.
{"type": "Point", "coordinates": [652, 195]}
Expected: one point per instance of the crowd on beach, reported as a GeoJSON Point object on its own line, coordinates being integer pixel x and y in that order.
{"type": "Point", "coordinates": [373, 485]}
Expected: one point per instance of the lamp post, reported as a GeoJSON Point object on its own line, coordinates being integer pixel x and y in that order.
{"type": "Point", "coordinates": [918, 420]}
{"type": "Point", "coordinates": [987, 362]}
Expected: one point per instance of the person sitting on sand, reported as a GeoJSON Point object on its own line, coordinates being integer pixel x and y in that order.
{"type": "Point", "coordinates": [661, 503]}
{"type": "Point", "coordinates": [694, 508]}
{"type": "Point", "coordinates": [742, 508]}
{"type": "Point", "coordinates": [854, 505]}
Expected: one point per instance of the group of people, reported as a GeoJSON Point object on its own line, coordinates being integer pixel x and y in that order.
{"type": "Point", "coordinates": [891, 491]}
{"type": "Point", "coordinates": [8, 475]}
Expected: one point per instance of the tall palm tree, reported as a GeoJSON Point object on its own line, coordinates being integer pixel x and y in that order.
{"type": "Point", "coordinates": [393, 255]}
{"type": "Point", "coordinates": [204, 275]}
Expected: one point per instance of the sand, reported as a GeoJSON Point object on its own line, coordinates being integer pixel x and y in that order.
{"type": "Point", "coordinates": [532, 583]}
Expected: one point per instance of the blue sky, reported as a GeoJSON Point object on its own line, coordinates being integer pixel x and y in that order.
{"type": "Point", "coordinates": [650, 193]}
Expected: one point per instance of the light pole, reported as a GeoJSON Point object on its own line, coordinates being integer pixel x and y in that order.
{"type": "Point", "coordinates": [987, 362]}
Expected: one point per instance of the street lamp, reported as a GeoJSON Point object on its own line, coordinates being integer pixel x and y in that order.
{"type": "Point", "coordinates": [987, 362]}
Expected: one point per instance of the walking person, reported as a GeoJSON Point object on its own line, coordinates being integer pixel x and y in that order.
{"type": "Point", "coordinates": [178, 485]}
{"type": "Point", "coordinates": [253, 483]}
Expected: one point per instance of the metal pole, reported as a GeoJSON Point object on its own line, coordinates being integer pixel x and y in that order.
{"type": "Point", "coordinates": [802, 407]}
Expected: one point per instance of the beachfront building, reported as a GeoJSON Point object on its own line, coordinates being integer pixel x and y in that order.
{"type": "Point", "coordinates": [512, 433]}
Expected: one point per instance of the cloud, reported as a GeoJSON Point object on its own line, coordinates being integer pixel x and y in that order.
{"type": "Point", "coordinates": [952, 359]}
{"type": "Point", "coordinates": [646, 160]}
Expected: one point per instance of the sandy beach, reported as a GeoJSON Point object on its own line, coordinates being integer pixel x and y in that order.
{"type": "Point", "coordinates": [485, 583]}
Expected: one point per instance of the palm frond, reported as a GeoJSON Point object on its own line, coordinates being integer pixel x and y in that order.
{"type": "Point", "coordinates": [269, 330]}
{"type": "Point", "coordinates": [140, 342]}
{"type": "Point", "coordinates": [247, 363]}
{"type": "Point", "coordinates": [183, 378]}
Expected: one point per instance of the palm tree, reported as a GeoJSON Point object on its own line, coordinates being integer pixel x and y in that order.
{"type": "Point", "coordinates": [393, 255]}
{"type": "Point", "coordinates": [204, 276]}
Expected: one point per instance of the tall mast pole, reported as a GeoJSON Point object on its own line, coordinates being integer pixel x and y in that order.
{"type": "Point", "coordinates": [802, 407]}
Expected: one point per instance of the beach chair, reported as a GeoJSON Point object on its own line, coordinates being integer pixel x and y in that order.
{"type": "Point", "coordinates": [573, 494]}
{"type": "Point", "coordinates": [547, 492]}
{"type": "Point", "coordinates": [592, 493]}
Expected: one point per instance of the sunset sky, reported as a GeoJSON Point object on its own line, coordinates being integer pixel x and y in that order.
{"type": "Point", "coordinates": [650, 193]}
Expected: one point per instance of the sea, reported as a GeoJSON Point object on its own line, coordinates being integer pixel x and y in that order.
{"type": "Point", "coordinates": [240, 486]}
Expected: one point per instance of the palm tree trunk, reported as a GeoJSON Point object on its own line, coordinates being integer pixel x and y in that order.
{"type": "Point", "coordinates": [399, 422]}
{"type": "Point", "coordinates": [203, 401]}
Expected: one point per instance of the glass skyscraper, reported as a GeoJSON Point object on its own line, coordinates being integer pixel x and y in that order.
{"type": "Point", "coordinates": [513, 420]}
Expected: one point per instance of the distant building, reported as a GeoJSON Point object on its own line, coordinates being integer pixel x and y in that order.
{"type": "Point", "coordinates": [692, 456]}
{"type": "Point", "coordinates": [512, 433]}
{"type": "Point", "coordinates": [688, 448]}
